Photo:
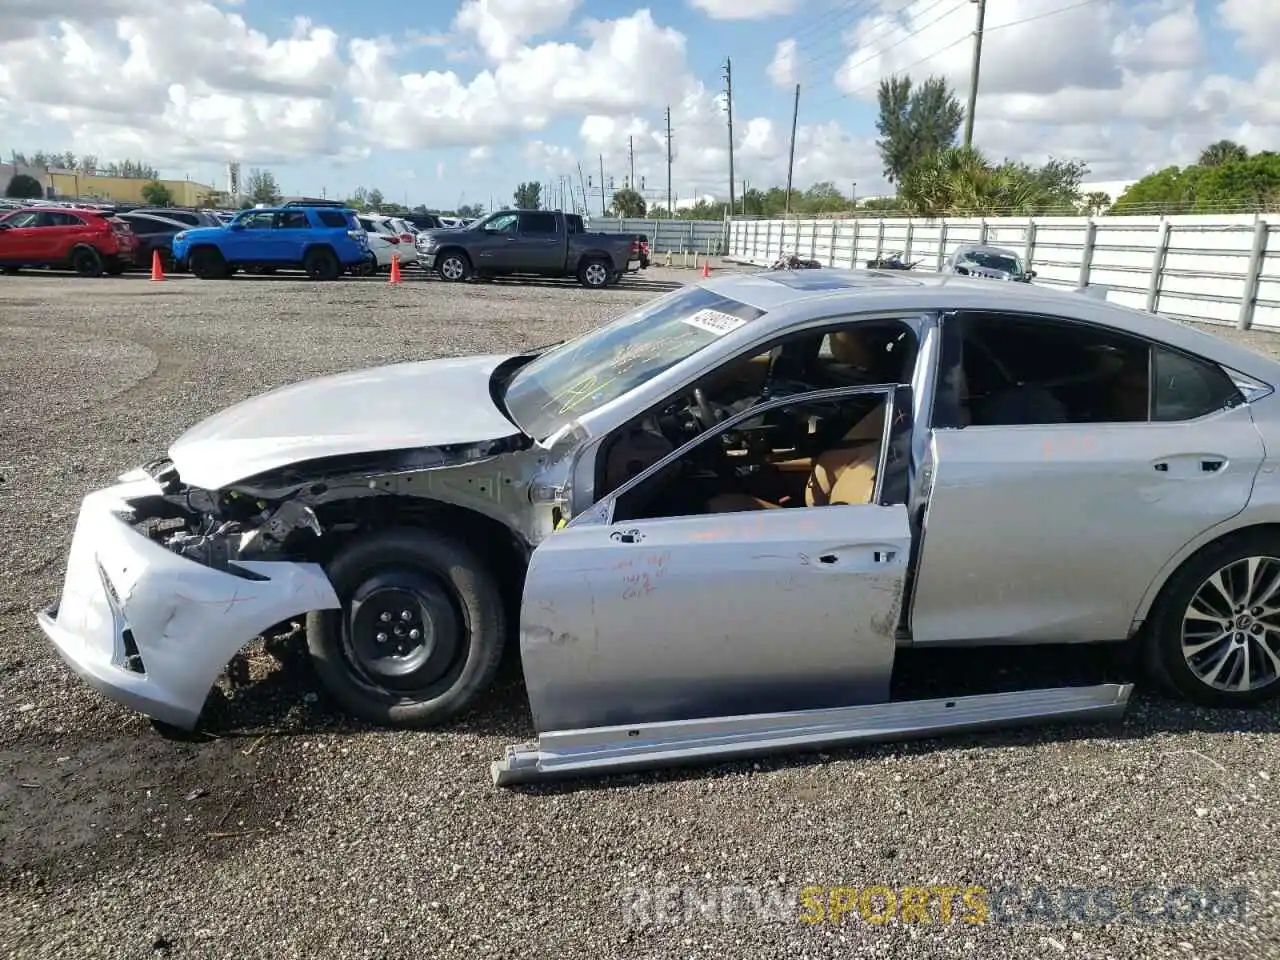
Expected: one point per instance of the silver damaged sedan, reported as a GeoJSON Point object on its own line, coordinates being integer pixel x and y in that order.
{"type": "Point", "coordinates": [713, 522]}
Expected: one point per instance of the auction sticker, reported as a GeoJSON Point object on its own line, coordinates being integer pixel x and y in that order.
{"type": "Point", "coordinates": [713, 321]}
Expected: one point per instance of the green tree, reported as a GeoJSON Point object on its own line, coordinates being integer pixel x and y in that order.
{"type": "Point", "coordinates": [960, 181]}
{"type": "Point", "coordinates": [1250, 182]}
{"type": "Point", "coordinates": [469, 211]}
{"type": "Point", "coordinates": [156, 194]}
{"type": "Point", "coordinates": [376, 200]}
{"type": "Point", "coordinates": [1170, 190]}
{"type": "Point", "coordinates": [261, 187]}
{"type": "Point", "coordinates": [1095, 201]}
{"type": "Point", "coordinates": [628, 203]}
{"type": "Point", "coordinates": [914, 122]}
{"type": "Point", "coordinates": [1224, 151]}
{"type": "Point", "coordinates": [528, 196]}
{"type": "Point", "coordinates": [24, 187]}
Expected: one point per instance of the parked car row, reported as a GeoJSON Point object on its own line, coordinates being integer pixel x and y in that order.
{"type": "Point", "coordinates": [325, 241]}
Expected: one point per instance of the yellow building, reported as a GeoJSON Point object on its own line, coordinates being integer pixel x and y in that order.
{"type": "Point", "coordinates": [67, 183]}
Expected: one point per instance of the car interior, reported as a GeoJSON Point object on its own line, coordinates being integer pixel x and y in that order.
{"type": "Point", "coordinates": [1003, 370]}
{"type": "Point", "coordinates": [810, 453]}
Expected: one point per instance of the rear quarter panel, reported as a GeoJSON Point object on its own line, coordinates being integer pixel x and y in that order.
{"type": "Point", "coordinates": [615, 247]}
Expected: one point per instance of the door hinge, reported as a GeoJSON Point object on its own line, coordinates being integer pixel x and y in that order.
{"type": "Point", "coordinates": [548, 493]}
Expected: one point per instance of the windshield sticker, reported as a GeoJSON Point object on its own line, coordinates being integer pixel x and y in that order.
{"type": "Point", "coordinates": [714, 321]}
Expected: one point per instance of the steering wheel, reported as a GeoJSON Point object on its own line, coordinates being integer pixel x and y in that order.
{"type": "Point", "coordinates": [705, 413]}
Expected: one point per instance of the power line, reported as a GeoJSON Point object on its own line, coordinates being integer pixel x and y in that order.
{"type": "Point", "coordinates": [884, 24]}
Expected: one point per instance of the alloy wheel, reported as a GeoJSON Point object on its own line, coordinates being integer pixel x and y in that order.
{"type": "Point", "coordinates": [1231, 627]}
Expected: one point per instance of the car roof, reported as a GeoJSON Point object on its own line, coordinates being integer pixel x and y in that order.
{"type": "Point", "coordinates": [789, 296]}
{"type": "Point", "coordinates": [990, 248]}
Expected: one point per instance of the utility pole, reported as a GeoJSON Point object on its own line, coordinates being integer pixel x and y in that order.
{"type": "Point", "coordinates": [973, 72]}
{"type": "Point", "coordinates": [671, 211]}
{"type": "Point", "coordinates": [602, 185]}
{"type": "Point", "coordinates": [583, 184]}
{"type": "Point", "coordinates": [728, 102]}
{"type": "Point", "coordinates": [791, 160]}
{"type": "Point", "coordinates": [631, 158]}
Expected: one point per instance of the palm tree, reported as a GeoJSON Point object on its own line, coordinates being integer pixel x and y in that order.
{"type": "Point", "coordinates": [1224, 151]}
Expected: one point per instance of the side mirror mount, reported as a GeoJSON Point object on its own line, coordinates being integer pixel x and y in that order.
{"type": "Point", "coordinates": [237, 225]}
{"type": "Point", "coordinates": [1031, 274]}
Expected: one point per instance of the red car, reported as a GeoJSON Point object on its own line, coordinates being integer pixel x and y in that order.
{"type": "Point", "coordinates": [87, 241]}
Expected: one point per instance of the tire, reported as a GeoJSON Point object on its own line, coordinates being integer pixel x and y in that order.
{"type": "Point", "coordinates": [1163, 638]}
{"type": "Point", "coordinates": [114, 267]}
{"type": "Point", "coordinates": [450, 596]}
{"type": "Point", "coordinates": [207, 263]}
{"type": "Point", "coordinates": [12, 271]}
{"type": "Point", "coordinates": [321, 263]}
{"type": "Point", "coordinates": [367, 267]}
{"type": "Point", "coordinates": [594, 273]}
{"type": "Point", "coordinates": [454, 266]}
{"type": "Point", "coordinates": [87, 262]}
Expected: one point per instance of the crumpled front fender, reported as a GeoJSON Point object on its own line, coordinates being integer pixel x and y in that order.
{"type": "Point", "coordinates": [152, 629]}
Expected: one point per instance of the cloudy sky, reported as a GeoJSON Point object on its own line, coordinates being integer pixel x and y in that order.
{"type": "Point", "coordinates": [438, 101]}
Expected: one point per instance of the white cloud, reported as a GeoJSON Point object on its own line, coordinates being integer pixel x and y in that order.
{"type": "Point", "coordinates": [784, 68]}
{"type": "Point", "coordinates": [502, 26]}
{"type": "Point", "coordinates": [1120, 83]}
{"type": "Point", "coordinates": [744, 9]}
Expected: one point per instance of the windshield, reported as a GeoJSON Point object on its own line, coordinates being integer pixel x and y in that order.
{"type": "Point", "coordinates": [994, 261]}
{"type": "Point", "coordinates": [584, 374]}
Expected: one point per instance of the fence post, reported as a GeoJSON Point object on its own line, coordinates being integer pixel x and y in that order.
{"type": "Point", "coordinates": [880, 239]}
{"type": "Point", "coordinates": [831, 250]}
{"type": "Point", "coordinates": [942, 244]}
{"type": "Point", "coordinates": [911, 230]}
{"type": "Point", "coordinates": [1086, 257]}
{"type": "Point", "coordinates": [1157, 265]}
{"type": "Point", "coordinates": [982, 233]}
{"type": "Point", "coordinates": [1257, 257]}
{"type": "Point", "coordinates": [1029, 247]}
{"type": "Point", "coordinates": [853, 251]}
{"type": "Point", "coordinates": [813, 239]}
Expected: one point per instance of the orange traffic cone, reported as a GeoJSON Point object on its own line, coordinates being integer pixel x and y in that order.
{"type": "Point", "coordinates": [706, 267]}
{"type": "Point", "coordinates": [395, 269]}
{"type": "Point", "coordinates": [157, 268]}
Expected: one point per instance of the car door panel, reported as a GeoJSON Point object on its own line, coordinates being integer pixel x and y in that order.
{"type": "Point", "coordinates": [663, 618]}
{"type": "Point", "coordinates": [538, 251]}
{"type": "Point", "coordinates": [675, 618]}
{"type": "Point", "coordinates": [1054, 533]}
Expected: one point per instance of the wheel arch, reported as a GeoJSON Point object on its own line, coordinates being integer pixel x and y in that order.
{"type": "Point", "coordinates": [455, 248]}
{"type": "Point", "coordinates": [1237, 526]}
{"type": "Point", "coordinates": [503, 549]}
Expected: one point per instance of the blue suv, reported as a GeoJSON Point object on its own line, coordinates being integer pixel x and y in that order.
{"type": "Point", "coordinates": [323, 241]}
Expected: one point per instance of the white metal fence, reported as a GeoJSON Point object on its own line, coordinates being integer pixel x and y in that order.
{"type": "Point", "coordinates": [706, 237]}
{"type": "Point", "coordinates": [1221, 269]}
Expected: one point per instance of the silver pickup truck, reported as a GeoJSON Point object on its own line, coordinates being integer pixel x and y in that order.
{"type": "Point", "coordinates": [538, 242]}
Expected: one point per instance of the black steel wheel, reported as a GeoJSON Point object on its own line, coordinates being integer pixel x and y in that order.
{"type": "Point", "coordinates": [420, 633]}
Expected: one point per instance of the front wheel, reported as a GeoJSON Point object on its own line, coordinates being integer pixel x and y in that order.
{"type": "Point", "coordinates": [420, 633]}
{"type": "Point", "coordinates": [454, 267]}
{"type": "Point", "coordinates": [594, 273]}
{"type": "Point", "coordinates": [1214, 633]}
{"type": "Point", "coordinates": [207, 264]}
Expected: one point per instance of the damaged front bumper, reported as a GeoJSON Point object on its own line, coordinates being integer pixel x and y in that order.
{"type": "Point", "coordinates": [152, 629]}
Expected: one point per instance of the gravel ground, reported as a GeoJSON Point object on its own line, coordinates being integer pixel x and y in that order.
{"type": "Point", "coordinates": [291, 832]}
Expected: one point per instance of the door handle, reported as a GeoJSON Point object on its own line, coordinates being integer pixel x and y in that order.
{"type": "Point", "coordinates": [1212, 464]}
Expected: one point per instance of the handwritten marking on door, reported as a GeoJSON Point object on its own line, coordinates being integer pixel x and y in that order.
{"type": "Point", "coordinates": [645, 581]}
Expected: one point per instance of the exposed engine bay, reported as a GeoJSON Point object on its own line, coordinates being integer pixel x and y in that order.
{"type": "Point", "coordinates": [283, 515]}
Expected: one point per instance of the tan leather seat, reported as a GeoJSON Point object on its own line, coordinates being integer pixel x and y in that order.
{"type": "Point", "coordinates": [845, 474]}
{"type": "Point", "coordinates": [849, 348]}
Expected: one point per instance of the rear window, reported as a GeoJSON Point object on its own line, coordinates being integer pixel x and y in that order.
{"type": "Point", "coordinates": [333, 218]}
